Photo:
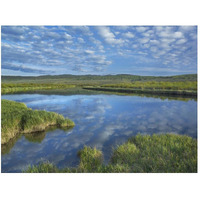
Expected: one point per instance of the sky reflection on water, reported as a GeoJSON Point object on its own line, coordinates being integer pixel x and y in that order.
{"type": "Point", "coordinates": [103, 121]}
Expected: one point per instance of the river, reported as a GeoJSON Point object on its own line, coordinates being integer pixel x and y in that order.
{"type": "Point", "coordinates": [102, 121]}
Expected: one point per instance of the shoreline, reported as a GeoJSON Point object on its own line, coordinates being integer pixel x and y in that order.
{"type": "Point", "coordinates": [139, 91]}
{"type": "Point", "coordinates": [162, 153]}
{"type": "Point", "coordinates": [17, 118]}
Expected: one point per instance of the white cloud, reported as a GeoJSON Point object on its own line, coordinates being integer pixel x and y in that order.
{"type": "Point", "coordinates": [167, 40]}
{"type": "Point", "coordinates": [155, 42]}
{"type": "Point", "coordinates": [178, 35]}
{"type": "Point", "coordinates": [122, 27]}
{"type": "Point", "coordinates": [141, 28]}
{"type": "Point", "coordinates": [193, 36]}
{"type": "Point", "coordinates": [148, 33]}
{"type": "Point", "coordinates": [128, 35]}
{"type": "Point", "coordinates": [181, 41]}
{"type": "Point", "coordinates": [164, 34]}
{"type": "Point", "coordinates": [154, 49]}
{"type": "Point", "coordinates": [159, 28]}
{"type": "Point", "coordinates": [146, 45]}
{"type": "Point", "coordinates": [67, 36]}
{"type": "Point", "coordinates": [89, 51]}
{"type": "Point", "coordinates": [108, 36]}
{"type": "Point", "coordinates": [85, 30]}
{"type": "Point", "coordinates": [135, 46]}
{"type": "Point", "coordinates": [144, 40]}
{"type": "Point", "coordinates": [81, 40]}
{"type": "Point", "coordinates": [186, 28]}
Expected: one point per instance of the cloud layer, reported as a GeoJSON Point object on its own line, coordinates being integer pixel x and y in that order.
{"type": "Point", "coordinates": [36, 50]}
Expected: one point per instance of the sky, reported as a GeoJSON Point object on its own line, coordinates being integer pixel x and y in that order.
{"type": "Point", "coordinates": [100, 50]}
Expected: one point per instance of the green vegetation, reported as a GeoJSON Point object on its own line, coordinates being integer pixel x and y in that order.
{"type": "Point", "coordinates": [183, 93]}
{"type": "Point", "coordinates": [93, 79]}
{"type": "Point", "coordinates": [185, 85]}
{"type": "Point", "coordinates": [162, 85]}
{"type": "Point", "coordinates": [90, 159]}
{"type": "Point", "coordinates": [187, 88]}
{"type": "Point", "coordinates": [166, 153]}
{"type": "Point", "coordinates": [43, 168]}
{"type": "Point", "coordinates": [23, 87]}
{"type": "Point", "coordinates": [17, 118]}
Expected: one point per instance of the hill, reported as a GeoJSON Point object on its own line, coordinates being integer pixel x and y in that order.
{"type": "Point", "coordinates": [94, 79]}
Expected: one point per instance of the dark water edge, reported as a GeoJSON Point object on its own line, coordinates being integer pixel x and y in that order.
{"type": "Point", "coordinates": [102, 120]}
{"type": "Point", "coordinates": [145, 91]}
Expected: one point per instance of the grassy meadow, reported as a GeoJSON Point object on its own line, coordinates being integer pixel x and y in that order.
{"type": "Point", "coordinates": [166, 153]}
{"type": "Point", "coordinates": [83, 80]}
{"type": "Point", "coordinates": [184, 88]}
{"type": "Point", "coordinates": [17, 118]}
{"type": "Point", "coordinates": [185, 85]}
{"type": "Point", "coordinates": [24, 87]}
{"type": "Point", "coordinates": [162, 85]}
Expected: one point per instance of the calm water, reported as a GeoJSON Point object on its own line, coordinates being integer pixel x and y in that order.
{"type": "Point", "coordinates": [103, 121]}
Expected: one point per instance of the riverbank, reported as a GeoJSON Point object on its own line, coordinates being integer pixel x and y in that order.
{"type": "Point", "coordinates": [16, 118]}
{"type": "Point", "coordinates": [145, 91]}
{"type": "Point", "coordinates": [166, 153]}
{"type": "Point", "coordinates": [185, 86]}
{"type": "Point", "coordinates": [7, 88]}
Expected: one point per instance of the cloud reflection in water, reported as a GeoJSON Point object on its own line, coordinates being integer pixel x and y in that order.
{"type": "Point", "coordinates": [103, 121]}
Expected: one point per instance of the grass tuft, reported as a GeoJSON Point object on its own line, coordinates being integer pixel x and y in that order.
{"type": "Point", "coordinates": [90, 159]}
{"type": "Point", "coordinates": [17, 118]}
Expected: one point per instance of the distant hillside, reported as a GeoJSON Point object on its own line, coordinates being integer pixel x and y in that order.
{"type": "Point", "coordinates": [94, 79]}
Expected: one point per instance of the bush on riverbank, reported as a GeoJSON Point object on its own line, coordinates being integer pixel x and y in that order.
{"type": "Point", "coordinates": [141, 154]}
{"type": "Point", "coordinates": [17, 118]}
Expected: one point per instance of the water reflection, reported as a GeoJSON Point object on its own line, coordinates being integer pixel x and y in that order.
{"type": "Point", "coordinates": [103, 121]}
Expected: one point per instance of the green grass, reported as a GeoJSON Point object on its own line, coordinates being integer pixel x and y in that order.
{"type": "Point", "coordinates": [17, 118]}
{"type": "Point", "coordinates": [158, 153]}
{"type": "Point", "coordinates": [24, 87]}
{"type": "Point", "coordinates": [181, 88]}
{"type": "Point", "coordinates": [180, 85]}
{"type": "Point", "coordinates": [94, 79]}
{"type": "Point", "coordinates": [159, 85]}
{"type": "Point", "coordinates": [90, 159]}
{"type": "Point", "coordinates": [166, 153]}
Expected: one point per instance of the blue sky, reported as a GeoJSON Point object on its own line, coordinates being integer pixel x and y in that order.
{"type": "Point", "coordinates": [139, 50]}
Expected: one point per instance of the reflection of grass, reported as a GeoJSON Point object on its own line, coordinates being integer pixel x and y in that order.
{"type": "Point", "coordinates": [31, 137]}
{"type": "Point", "coordinates": [17, 118]}
{"type": "Point", "coordinates": [5, 148]}
{"type": "Point", "coordinates": [79, 90]}
{"type": "Point", "coordinates": [145, 91]}
{"type": "Point", "coordinates": [35, 137]}
{"type": "Point", "coordinates": [160, 96]}
{"type": "Point", "coordinates": [154, 154]}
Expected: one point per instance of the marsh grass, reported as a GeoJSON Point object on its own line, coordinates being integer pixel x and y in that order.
{"type": "Point", "coordinates": [17, 118]}
{"type": "Point", "coordinates": [160, 85]}
{"type": "Point", "coordinates": [158, 153]}
{"type": "Point", "coordinates": [151, 91]}
{"type": "Point", "coordinates": [43, 168]}
{"type": "Point", "coordinates": [90, 159]}
{"type": "Point", "coordinates": [24, 87]}
{"type": "Point", "coordinates": [166, 153]}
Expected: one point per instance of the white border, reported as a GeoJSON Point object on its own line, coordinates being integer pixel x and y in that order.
{"type": "Point", "coordinates": [99, 186]}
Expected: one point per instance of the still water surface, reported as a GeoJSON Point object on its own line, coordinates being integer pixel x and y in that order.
{"type": "Point", "coordinates": [103, 121]}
